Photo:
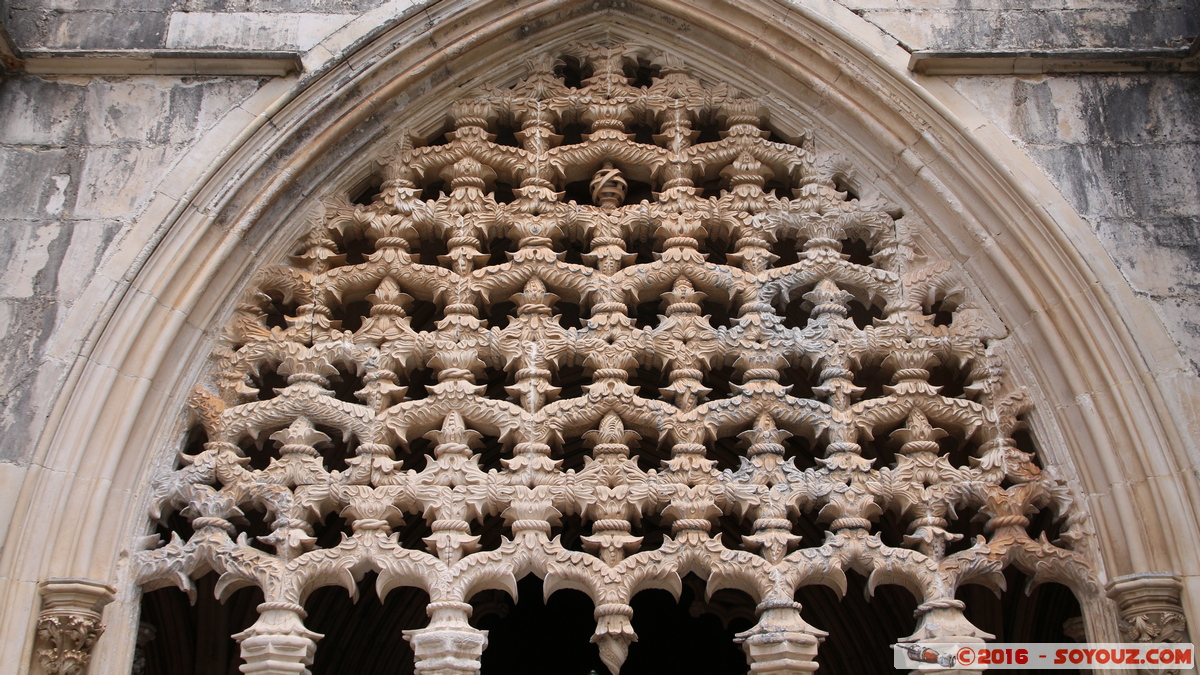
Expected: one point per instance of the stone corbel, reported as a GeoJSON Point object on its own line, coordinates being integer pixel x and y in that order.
{"type": "Point", "coordinates": [1150, 607]}
{"type": "Point", "coordinates": [69, 623]}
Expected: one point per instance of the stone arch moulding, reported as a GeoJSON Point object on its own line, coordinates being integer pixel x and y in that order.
{"type": "Point", "coordinates": [1101, 418]}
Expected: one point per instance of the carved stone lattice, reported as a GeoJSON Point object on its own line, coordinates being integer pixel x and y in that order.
{"type": "Point", "coordinates": [372, 338]}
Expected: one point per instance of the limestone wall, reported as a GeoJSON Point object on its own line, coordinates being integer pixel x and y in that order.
{"type": "Point", "coordinates": [976, 25]}
{"type": "Point", "coordinates": [1125, 151]}
{"type": "Point", "coordinates": [80, 159]}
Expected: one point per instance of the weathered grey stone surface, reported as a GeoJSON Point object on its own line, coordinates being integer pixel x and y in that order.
{"type": "Point", "coordinates": [1125, 150]}
{"type": "Point", "coordinates": [45, 28]}
{"type": "Point", "coordinates": [969, 25]}
{"type": "Point", "coordinates": [79, 158]}
{"type": "Point", "coordinates": [251, 30]}
{"type": "Point", "coordinates": [155, 24]}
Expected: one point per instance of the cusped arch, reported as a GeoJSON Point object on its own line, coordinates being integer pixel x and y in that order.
{"type": "Point", "coordinates": [1017, 242]}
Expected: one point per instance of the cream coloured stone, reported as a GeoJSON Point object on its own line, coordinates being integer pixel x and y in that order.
{"type": "Point", "coordinates": [251, 30]}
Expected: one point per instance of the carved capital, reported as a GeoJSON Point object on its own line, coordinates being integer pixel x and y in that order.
{"type": "Point", "coordinates": [1150, 607]}
{"type": "Point", "coordinates": [69, 623]}
{"type": "Point", "coordinates": [1075, 629]}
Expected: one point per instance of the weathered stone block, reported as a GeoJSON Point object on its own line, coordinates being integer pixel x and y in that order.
{"type": "Point", "coordinates": [115, 181]}
{"type": "Point", "coordinates": [105, 30]}
{"type": "Point", "coordinates": [93, 5]}
{"type": "Point", "coordinates": [126, 110]}
{"type": "Point", "coordinates": [39, 112]}
{"type": "Point", "coordinates": [251, 30]}
{"type": "Point", "coordinates": [30, 254]}
{"type": "Point", "coordinates": [317, 6]}
{"type": "Point", "coordinates": [27, 328]}
{"type": "Point", "coordinates": [45, 181]}
{"type": "Point", "coordinates": [1023, 28]}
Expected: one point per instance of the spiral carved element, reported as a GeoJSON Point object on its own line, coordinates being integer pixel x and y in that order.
{"type": "Point", "coordinates": [781, 296]}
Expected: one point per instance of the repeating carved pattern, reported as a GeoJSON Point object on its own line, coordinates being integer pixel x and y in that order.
{"type": "Point", "coordinates": [387, 322]}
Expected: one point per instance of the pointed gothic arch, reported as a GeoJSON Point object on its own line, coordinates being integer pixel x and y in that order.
{"type": "Point", "coordinates": [1070, 344]}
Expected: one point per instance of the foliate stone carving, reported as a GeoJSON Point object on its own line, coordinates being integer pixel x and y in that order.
{"type": "Point", "coordinates": [390, 325]}
{"type": "Point", "coordinates": [69, 624]}
{"type": "Point", "coordinates": [1150, 607]}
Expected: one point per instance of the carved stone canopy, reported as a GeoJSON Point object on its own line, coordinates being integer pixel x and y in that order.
{"type": "Point", "coordinates": [611, 216]}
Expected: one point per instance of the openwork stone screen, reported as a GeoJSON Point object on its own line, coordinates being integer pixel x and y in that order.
{"type": "Point", "coordinates": [610, 292]}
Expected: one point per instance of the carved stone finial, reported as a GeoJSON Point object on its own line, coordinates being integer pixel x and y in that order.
{"type": "Point", "coordinates": [1150, 607]}
{"type": "Point", "coordinates": [69, 624]}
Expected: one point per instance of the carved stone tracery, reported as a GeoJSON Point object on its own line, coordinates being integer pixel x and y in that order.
{"type": "Point", "coordinates": [720, 210]}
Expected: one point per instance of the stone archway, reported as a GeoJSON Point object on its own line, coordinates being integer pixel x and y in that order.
{"type": "Point", "coordinates": [263, 203]}
{"type": "Point", "coordinates": [334, 356]}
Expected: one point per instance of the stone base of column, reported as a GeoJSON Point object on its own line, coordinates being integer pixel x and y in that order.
{"type": "Point", "coordinates": [278, 643]}
{"type": "Point", "coordinates": [781, 643]}
{"type": "Point", "coordinates": [781, 653]}
{"type": "Point", "coordinates": [447, 650]}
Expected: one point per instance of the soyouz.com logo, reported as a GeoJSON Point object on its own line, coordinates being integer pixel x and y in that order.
{"type": "Point", "coordinates": [932, 657]}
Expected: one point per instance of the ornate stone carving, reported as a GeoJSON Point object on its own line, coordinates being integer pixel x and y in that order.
{"type": "Point", "coordinates": [1075, 629]}
{"type": "Point", "coordinates": [388, 326]}
{"type": "Point", "coordinates": [1150, 608]}
{"type": "Point", "coordinates": [69, 623]}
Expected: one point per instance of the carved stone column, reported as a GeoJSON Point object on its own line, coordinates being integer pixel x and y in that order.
{"type": "Point", "coordinates": [278, 643]}
{"type": "Point", "coordinates": [1150, 607]}
{"type": "Point", "coordinates": [448, 645]}
{"type": "Point", "coordinates": [69, 624]}
{"type": "Point", "coordinates": [781, 643]}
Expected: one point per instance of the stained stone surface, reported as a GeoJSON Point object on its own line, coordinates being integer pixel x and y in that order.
{"type": "Point", "coordinates": [971, 25]}
{"type": "Point", "coordinates": [1125, 151]}
{"type": "Point", "coordinates": [80, 158]}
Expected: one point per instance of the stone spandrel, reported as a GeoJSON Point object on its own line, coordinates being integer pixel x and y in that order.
{"type": "Point", "coordinates": [449, 308]}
